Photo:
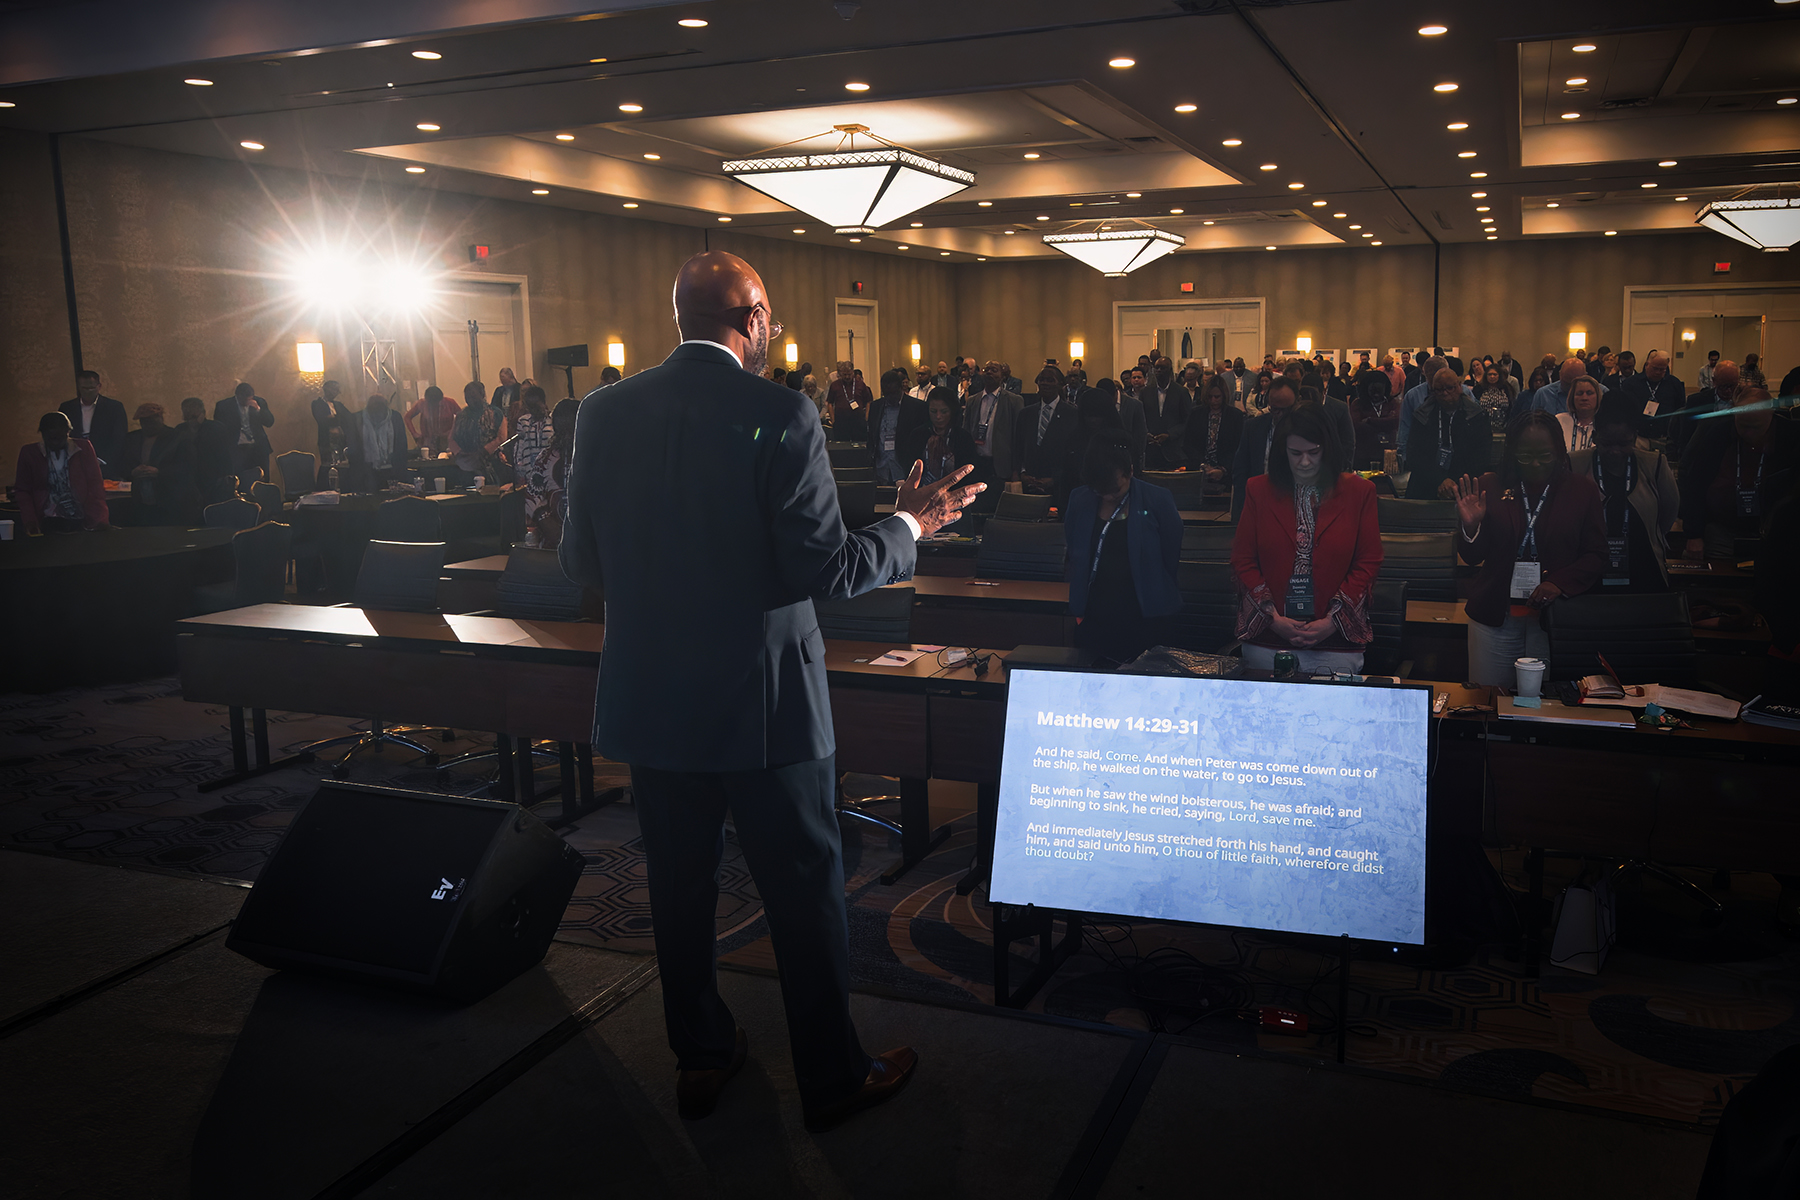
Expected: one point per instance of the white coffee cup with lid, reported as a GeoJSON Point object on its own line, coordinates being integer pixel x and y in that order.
{"type": "Point", "coordinates": [1529, 676]}
{"type": "Point", "coordinates": [437, 484]}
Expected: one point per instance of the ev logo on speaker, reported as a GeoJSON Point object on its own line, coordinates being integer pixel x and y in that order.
{"type": "Point", "coordinates": [446, 890]}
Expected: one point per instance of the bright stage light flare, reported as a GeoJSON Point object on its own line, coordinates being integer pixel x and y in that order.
{"type": "Point", "coordinates": [331, 281]}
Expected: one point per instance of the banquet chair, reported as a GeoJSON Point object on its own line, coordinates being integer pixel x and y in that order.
{"type": "Point", "coordinates": [236, 513]}
{"type": "Point", "coordinates": [299, 472]}
{"type": "Point", "coordinates": [409, 519]}
{"type": "Point", "coordinates": [268, 500]}
{"type": "Point", "coordinates": [259, 560]}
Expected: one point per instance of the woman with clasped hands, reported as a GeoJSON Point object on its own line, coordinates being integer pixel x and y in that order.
{"type": "Point", "coordinates": [1537, 533]}
{"type": "Point", "coordinates": [1307, 550]}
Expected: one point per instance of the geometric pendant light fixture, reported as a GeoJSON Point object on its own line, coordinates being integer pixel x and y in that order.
{"type": "Point", "coordinates": [1116, 252]}
{"type": "Point", "coordinates": [851, 190]}
{"type": "Point", "coordinates": [1770, 224]}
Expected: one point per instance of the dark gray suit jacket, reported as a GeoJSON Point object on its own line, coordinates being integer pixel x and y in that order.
{"type": "Point", "coordinates": [701, 503]}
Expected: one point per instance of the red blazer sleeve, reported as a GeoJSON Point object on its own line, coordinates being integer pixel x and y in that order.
{"type": "Point", "coordinates": [1245, 561]}
{"type": "Point", "coordinates": [1365, 563]}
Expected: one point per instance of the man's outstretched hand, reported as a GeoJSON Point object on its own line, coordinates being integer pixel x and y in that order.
{"type": "Point", "coordinates": [935, 505]}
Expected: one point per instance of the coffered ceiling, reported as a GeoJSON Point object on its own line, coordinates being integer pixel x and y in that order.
{"type": "Point", "coordinates": [1254, 124]}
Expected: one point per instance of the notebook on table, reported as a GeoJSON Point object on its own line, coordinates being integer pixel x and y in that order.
{"type": "Point", "coordinates": [1606, 689]}
{"type": "Point", "coordinates": [1555, 712]}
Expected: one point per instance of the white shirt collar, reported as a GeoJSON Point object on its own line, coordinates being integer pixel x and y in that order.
{"type": "Point", "coordinates": [715, 345]}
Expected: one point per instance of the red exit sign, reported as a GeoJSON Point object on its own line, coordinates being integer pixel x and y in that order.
{"type": "Point", "coordinates": [1721, 268]}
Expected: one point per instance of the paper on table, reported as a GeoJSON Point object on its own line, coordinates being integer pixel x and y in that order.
{"type": "Point", "coordinates": [1699, 704]}
{"type": "Point", "coordinates": [897, 658]}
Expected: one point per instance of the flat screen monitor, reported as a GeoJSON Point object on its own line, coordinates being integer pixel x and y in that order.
{"type": "Point", "coordinates": [1281, 806]}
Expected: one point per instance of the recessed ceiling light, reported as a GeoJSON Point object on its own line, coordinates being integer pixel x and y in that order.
{"type": "Point", "coordinates": [984, 204]}
{"type": "Point", "coordinates": [1042, 218]}
{"type": "Point", "coordinates": [631, 204]}
{"type": "Point", "coordinates": [902, 247]}
{"type": "Point", "coordinates": [631, 108]}
{"type": "Point", "coordinates": [691, 23]}
{"type": "Point", "coordinates": [1553, 204]}
{"type": "Point", "coordinates": [1443, 87]}
{"type": "Point", "coordinates": [1433, 30]}
{"type": "Point", "coordinates": [1209, 222]}
{"type": "Point", "coordinates": [981, 260]}
{"type": "Point", "coordinates": [1009, 232]}
{"type": "Point", "coordinates": [427, 127]}
{"type": "Point", "coordinates": [1134, 195]}
{"type": "Point", "coordinates": [198, 82]}
{"type": "Point", "coordinates": [1268, 167]}
{"type": "Point", "coordinates": [1122, 63]}
{"type": "Point", "coordinates": [799, 231]}
{"type": "Point", "coordinates": [1493, 237]}
{"type": "Point", "coordinates": [1187, 108]}
{"type": "Point", "coordinates": [1177, 211]}
{"type": "Point", "coordinates": [853, 241]}
{"type": "Point", "coordinates": [7, 104]}
{"type": "Point", "coordinates": [724, 220]}
{"type": "Point", "coordinates": [1477, 174]}
{"type": "Point", "coordinates": [1457, 125]}
{"type": "Point", "coordinates": [1032, 154]}
{"type": "Point", "coordinates": [1681, 197]}
{"type": "Point", "coordinates": [653, 157]}
{"type": "Point", "coordinates": [1240, 141]}
{"type": "Point", "coordinates": [1294, 187]}
{"type": "Point", "coordinates": [427, 55]}
{"type": "Point", "coordinates": [245, 145]}
{"type": "Point", "coordinates": [1481, 208]}
{"type": "Point", "coordinates": [1647, 185]}
{"type": "Point", "coordinates": [1479, 195]}
{"type": "Point", "coordinates": [1375, 243]}
{"type": "Point", "coordinates": [1667, 162]}
{"type": "Point", "coordinates": [1612, 233]}
{"type": "Point", "coordinates": [856, 87]}
{"type": "Point", "coordinates": [1268, 247]}
{"type": "Point", "coordinates": [540, 191]}
{"type": "Point", "coordinates": [943, 254]}
{"type": "Point", "coordinates": [1356, 226]}
{"type": "Point", "coordinates": [1339, 216]}
{"type": "Point", "coordinates": [415, 170]}
{"type": "Point", "coordinates": [1571, 116]}
{"type": "Point", "coordinates": [596, 60]}
{"type": "Point", "coordinates": [1487, 220]}
{"type": "Point", "coordinates": [1787, 99]}
{"type": "Point", "coordinates": [1318, 204]}
{"type": "Point", "coordinates": [918, 224]}
{"type": "Point", "coordinates": [565, 137]}
{"type": "Point", "coordinates": [1575, 82]}
{"type": "Point", "coordinates": [1465, 154]}
{"type": "Point", "coordinates": [1584, 48]}
{"type": "Point", "coordinates": [1368, 235]}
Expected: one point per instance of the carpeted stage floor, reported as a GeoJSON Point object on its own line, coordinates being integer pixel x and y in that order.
{"type": "Point", "coordinates": [1680, 1018]}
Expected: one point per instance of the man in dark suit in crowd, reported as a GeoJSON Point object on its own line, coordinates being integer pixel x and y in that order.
{"type": "Point", "coordinates": [1252, 457]}
{"type": "Point", "coordinates": [212, 451]}
{"type": "Point", "coordinates": [246, 415]}
{"type": "Point", "coordinates": [99, 419]}
{"type": "Point", "coordinates": [991, 417]}
{"type": "Point", "coordinates": [158, 459]}
{"type": "Point", "coordinates": [1044, 438]}
{"type": "Point", "coordinates": [701, 499]}
{"type": "Point", "coordinates": [893, 416]}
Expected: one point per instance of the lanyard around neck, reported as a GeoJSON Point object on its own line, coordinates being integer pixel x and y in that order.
{"type": "Point", "coordinates": [1531, 516]}
{"type": "Point", "coordinates": [1100, 542]}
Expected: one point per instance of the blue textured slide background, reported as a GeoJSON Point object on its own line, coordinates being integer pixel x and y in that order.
{"type": "Point", "coordinates": [1101, 839]}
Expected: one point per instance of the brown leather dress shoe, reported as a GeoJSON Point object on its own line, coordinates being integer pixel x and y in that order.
{"type": "Point", "coordinates": [888, 1075]}
{"type": "Point", "coordinates": [697, 1092]}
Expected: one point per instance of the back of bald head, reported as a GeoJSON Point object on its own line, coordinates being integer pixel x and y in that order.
{"type": "Point", "coordinates": [710, 285]}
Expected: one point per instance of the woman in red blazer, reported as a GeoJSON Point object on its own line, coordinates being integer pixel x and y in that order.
{"type": "Point", "coordinates": [1307, 550]}
{"type": "Point", "coordinates": [81, 504]}
{"type": "Point", "coordinates": [1537, 533]}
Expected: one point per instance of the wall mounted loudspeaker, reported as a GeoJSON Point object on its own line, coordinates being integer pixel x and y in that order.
{"type": "Point", "coordinates": [439, 894]}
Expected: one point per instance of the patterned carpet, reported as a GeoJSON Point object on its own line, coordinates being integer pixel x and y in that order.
{"type": "Point", "coordinates": [1681, 1017]}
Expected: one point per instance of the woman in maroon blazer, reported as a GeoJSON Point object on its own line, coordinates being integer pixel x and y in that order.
{"type": "Point", "coordinates": [58, 483]}
{"type": "Point", "coordinates": [1537, 533]}
{"type": "Point", "coordinates": [1307, 551]}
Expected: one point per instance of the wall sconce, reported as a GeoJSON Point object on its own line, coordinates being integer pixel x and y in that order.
{"type": "Point", "coordinates": [1077, 349]}
{"type": "Point", "coordinates": [1578, 339]}
{"type": "Point", "coordinates": [1687, 335]}
{"type": "Point", "coordinates": [915, 352]}
{"type": "Point", "coordinates": [615, 354]}
{"type": "Point", "coordinates": [311, 357]}
{"type": "Point", "coordinates": [1303, 345]}
{"type": "Point", "coordinates": [793, 355]}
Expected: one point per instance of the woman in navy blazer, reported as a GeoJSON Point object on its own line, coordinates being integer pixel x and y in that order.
{"type": "Point", "coordinates": [1122, 581]}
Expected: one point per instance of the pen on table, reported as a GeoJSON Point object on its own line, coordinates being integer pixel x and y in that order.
{"type": "Point", "coordinates": [982, 583]}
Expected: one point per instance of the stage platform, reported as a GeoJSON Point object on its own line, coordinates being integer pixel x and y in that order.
{"type": "Point", "coordinates": [140, 1058]}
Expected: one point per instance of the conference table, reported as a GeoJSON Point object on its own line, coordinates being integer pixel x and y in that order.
{"type": "Point", "coordinates": [343, 530]}
{"type": "Point", "coordinates": [85, 608]}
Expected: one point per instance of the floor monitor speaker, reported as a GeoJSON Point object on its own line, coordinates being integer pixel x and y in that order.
{"type": "Point", "coordinates": [446, 895]}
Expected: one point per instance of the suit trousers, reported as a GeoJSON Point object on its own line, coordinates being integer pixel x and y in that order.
{"type": "Point", "coordinates": [787, 825]}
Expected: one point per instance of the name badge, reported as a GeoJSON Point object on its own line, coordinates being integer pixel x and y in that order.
{"type": "Point", "coordinates": [1298, 608]}
{"type": "Point", "coordinates": [1618, 566]}
{"type": "Point", "coordinates": [1650, 407]}
{"type": "Point", "coordinates": [854, 405]}
{"type": "Point", "coordinates": [1525, 579]}
{"type": "Point", "coordinates": [1748, 505]}
{"type": "Point", "coordinates": [1443, 458]}
{"type": "Point", "coordinates": [981, 432]}
{"type": "Point", "coordinates": [887, 443]}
